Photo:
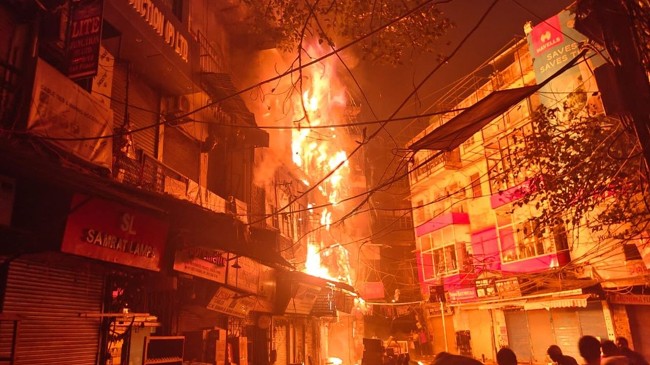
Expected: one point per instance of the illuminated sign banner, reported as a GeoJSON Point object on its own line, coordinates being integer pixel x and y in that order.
{"type": "Point", "coordinates": [84, 38]}
{"type": "Point", "coordinates": [112, 232]}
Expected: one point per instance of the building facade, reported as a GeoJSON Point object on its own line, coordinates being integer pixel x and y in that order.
{"type": "Point", "coordinates": [493, 279]}
{"type": "Point", "coordinates": [132, 229]}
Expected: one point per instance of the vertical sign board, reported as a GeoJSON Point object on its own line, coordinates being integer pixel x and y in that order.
{"type": "Point", "coordinates": [112, 232]}
{"type": "Point", "coordinates": [552, 44]}
{"type": "Point", "coordinates": [84, 38]}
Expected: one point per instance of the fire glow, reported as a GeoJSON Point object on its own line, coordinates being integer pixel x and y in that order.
{"type": "Point", "coordinates": [318, 152]}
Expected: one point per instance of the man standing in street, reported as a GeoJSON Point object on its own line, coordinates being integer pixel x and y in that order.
{"type": "Point", "coordinates": [555, 353]}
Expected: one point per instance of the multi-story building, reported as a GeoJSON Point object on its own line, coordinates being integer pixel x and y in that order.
{"type": "Point", "coordinates": [128, 207]}
{"type": "Point", "coordinates": [492, 278]}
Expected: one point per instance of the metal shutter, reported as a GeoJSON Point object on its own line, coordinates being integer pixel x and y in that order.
{"type": "Point", "coordinates": [592, 320]}
{"type": "Point", "coordinates": [181, 153]}
{"type": "Point", "coordinates": [50, 298]}
{"type": "Point", "coordinates": [518, 334]}
{"type": "Point", "coordinates": [567, 330]}
{"type": "Point", "coordinates": [144, 105]}
{"type": "Point", "coordinates": [638, 316]}
{"type": "Point", "coordinates": [481, 339]}
{"type": "Point", "coordinates": [541, 337]}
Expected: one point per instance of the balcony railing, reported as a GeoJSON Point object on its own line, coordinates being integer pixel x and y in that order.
{"type": "Point", "coordinates": [147, 173]}
{"type": "Point", "coordinates": [212, 60]}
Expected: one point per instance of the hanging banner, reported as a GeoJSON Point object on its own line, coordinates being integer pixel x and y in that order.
{"type": "Point", "coordinates": [69, 117]}
{"type": "Point", "coordinates": [84, 38]}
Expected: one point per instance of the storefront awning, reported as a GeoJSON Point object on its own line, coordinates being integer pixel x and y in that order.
{"type": "Point", "coordinates": [457, 130]}
{"type": "Point", "coordinates": [566, 302]}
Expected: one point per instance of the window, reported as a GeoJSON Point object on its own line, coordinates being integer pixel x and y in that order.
{"type": "Point", "coordinates": [442, 252]}
{"type": "Point", "coordinates": [520, 238]}
{"type": "Point", "coordinates": [476, 185]}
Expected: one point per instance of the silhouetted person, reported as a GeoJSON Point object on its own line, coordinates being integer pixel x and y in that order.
{"type": "Point", "coordinates": [555, 353]}
{"type": "Point", "coordinates": [634, 357]}
{"type": "Point", "coordinates": [612, 355]}
{"type": "Point", "coordinates": [445, 358]}
{"type": "Point", "coordinates": [505, 356]}
{"type": "Point", "coordinates": [589, 347]}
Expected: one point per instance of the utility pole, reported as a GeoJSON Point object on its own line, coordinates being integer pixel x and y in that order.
{"type": "Point", "coordinates": [617, 31]}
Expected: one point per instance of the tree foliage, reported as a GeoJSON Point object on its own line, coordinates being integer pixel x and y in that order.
{"type": "Point", "coordinates": [585, 169]}
{"type": "Point", "coordinates": [332, 21]}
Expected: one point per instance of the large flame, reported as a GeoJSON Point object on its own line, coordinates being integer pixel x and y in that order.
{"type": "Point", "coordinates": [319, 151]}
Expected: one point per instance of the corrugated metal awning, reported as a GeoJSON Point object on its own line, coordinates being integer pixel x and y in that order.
{"type": "Point", "coordinates": [565, 302]}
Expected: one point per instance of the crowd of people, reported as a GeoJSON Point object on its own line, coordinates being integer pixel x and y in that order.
{"type": "Point", "coordinates": [592, 350]}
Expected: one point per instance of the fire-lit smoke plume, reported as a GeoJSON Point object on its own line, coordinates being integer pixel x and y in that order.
{"type": "Point", "coordinates": [310, 101]}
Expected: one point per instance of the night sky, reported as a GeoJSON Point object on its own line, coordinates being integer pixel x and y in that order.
{"type": "Point", "coordinates": [386, 87]}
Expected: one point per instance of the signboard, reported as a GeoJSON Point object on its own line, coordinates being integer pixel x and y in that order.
{"type": "Point", "coordinates": [84, 38]}
{"type": "Point", "coordinates": [70, 117]}
{"type": "Point", "coordinates": [630, 299]}
{"type": "Point", "coordinates": [462, 294]}
{"type": "Point", "coordinates": [553, 43]}
{"type": "Point", "coordinates": [485, 288]}
{"type": "Point", "coordinates": [203, 263]}
{"type": "Point", "coordinates": [303, 300]}
{"type": "Point", "coordinates": [243, 273]}
{"type": "Point", "coordinates": [112, 232]}
{"type": "Point", "coordinates": [508, 288]}
{"type": "Point", "coordinates": [230, 302]}
{"type": "Point", "coordinates": [164, 27]}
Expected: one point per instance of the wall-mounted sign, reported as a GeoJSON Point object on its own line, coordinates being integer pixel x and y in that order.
{"type": "Point", "coordinates": [462, 294]}
{"type": "Point", "coordinates": [112, 232]}
{"type": "Point", "coordinates": [84, 38]}
{"type": "Point", "coordinates": [204, 263]}
{"type": "Point", "coordinates": [485, 288]}
{"type": "Point", "coordinates": [230, 302]}
{"type": "Point", "coordinates": [163, 26]}
{"type": "Point", "coordinates": [243, 273]}
{"type": "Point", "coordinates": [70, 116]}
{"type": "Point", "coordinates": [630, 299]}
{"type": "Point", "coordinates": [508, 288]}
{"type": "Point", "coordinates": [303, 300]}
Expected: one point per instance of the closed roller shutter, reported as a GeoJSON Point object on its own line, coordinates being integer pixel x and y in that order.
{"type": "Point", "coordinates": [541, 335]}
{"type": "Point", "coordinates": [481, 334]}
{"type": "Point", "coordinates": [518, 334]}
{"type": "Point", "coordinates": [638, 316]}
{"type": "Point", "coordinates": [592, 320]}
{"type": "Point", "coordinates": [144, 105]}
{"type": "Point", "coordinates": [50, 298]}
{"type": "Point", "coordinates": [567, 330]}
{"type": "Point", "coordinates": [181, 153]}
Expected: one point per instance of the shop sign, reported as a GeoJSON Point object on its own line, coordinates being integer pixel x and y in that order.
{"type": "Point", "coordinates": [434, 310]}
{"type": "Point", "coordinates": [163, 27]}
{"type": "Point", "coordinates": [84, 38]}
{"type": "Point", "coordinates": [70, 117]}
{"type": "Point", "coordinates": [508, 288]}
{"type": "Point", "coordinates": [200, 262]}
{"type": "Point", "coordinates": [630, 299]}
{"type": "Point", "coordinates": [462, 294]}
{"type": "Point", "coordinates": [243, 273]}
{"type": "Point", "coordinates": [108, 231]}
{"type": "Point", "coordinates": [303, 301]}
{"type": "Point", "coordinates": [230, 302]}
{"type": "Point", "coordinates": [485, 288]}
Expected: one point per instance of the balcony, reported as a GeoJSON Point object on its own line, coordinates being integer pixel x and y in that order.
{"type": "Point", "coordinates": [147, 173]}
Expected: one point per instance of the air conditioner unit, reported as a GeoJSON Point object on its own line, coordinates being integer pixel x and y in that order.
{"type": "Point", "coordinates": [177, 105]}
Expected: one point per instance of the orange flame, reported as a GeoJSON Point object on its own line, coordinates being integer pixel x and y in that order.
{"type": "Point", "coordinates": [317, 152]}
